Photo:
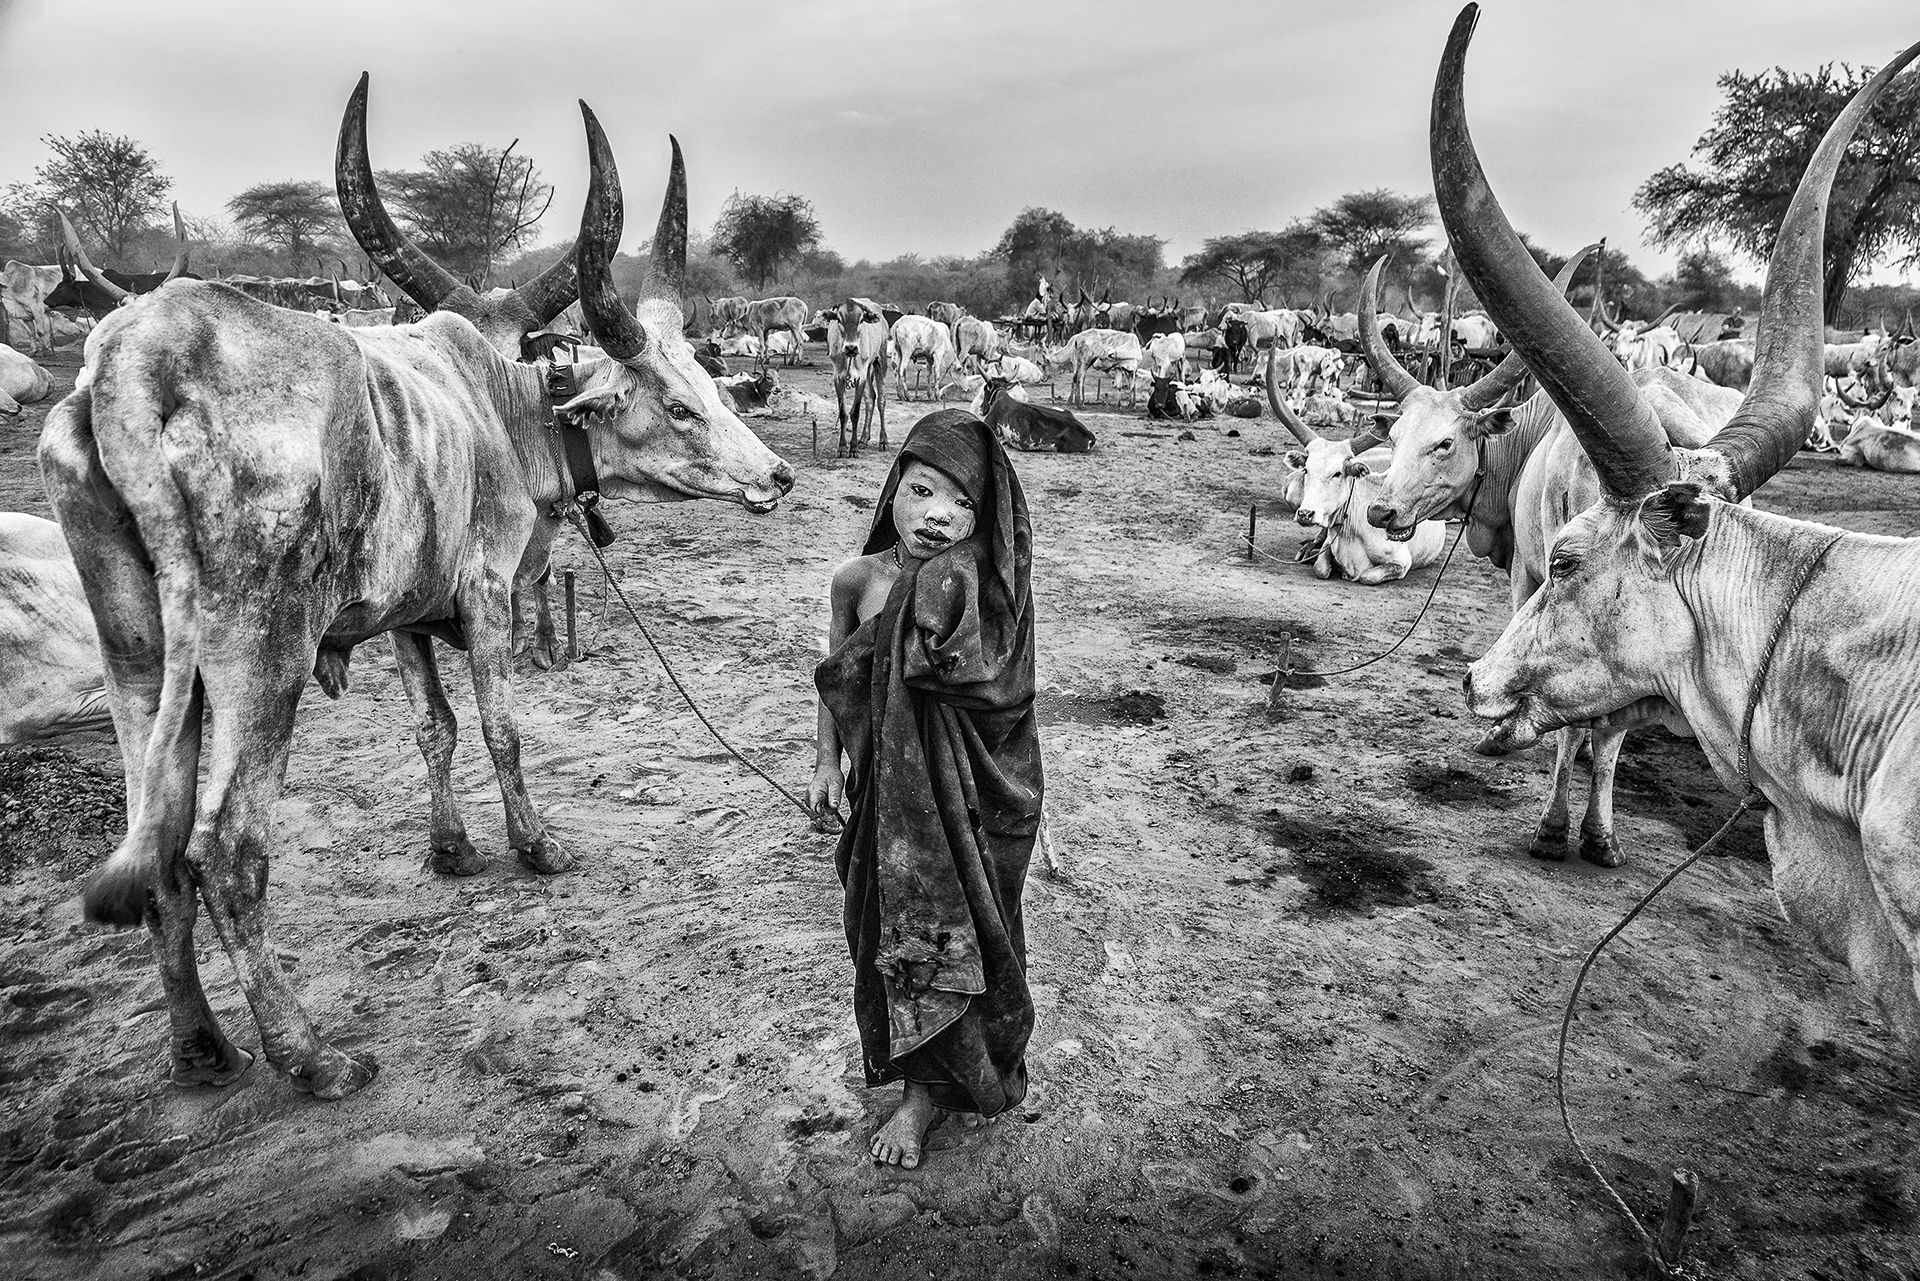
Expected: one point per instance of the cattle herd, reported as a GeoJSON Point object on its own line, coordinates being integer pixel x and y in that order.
{"type": "Point", "coordinates": [254, 477]}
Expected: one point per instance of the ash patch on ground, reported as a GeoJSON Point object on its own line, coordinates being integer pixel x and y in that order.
{"type": "Point", "coordinates": [1350, 864]}
{"type": "Point", "coordinates": [56, 811]}
{"type": "Point", "coordinates": [1127, 707]}
{"type": "Point", "coordinates": [1451, 785]}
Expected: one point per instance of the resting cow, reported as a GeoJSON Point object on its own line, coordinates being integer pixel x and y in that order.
{"type": "Point", "coordinates": [1033, 428]}
{"type": "Point", "coordinates": [251, 492]}
{"type": "Point", "coordinates": [1876, 446]}
{"type": "Point", "coordinates": [50, 675]}
{"type": "Point", "coordinates": [22, 381]}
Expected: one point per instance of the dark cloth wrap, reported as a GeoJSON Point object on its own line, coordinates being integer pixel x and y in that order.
{"type": "Point", "coordinates": [933, 699]}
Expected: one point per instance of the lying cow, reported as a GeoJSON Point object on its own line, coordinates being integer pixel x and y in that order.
{"type": "Point", "coordinates": [51, 680]}
{"type": "Point", "coordinates": [1339, 479]}
{"type": "Point", "coordinates": [1033, 428]}
{"type": "Point", "coordinates": [1878, 447]}
{"type": "Point", "coordinates": [22, 381]}
{"type": "Point", "coordinates": [749, 393]}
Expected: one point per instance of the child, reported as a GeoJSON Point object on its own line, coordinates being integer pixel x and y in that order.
{"type": "Point", "coordinates": [928, 688]}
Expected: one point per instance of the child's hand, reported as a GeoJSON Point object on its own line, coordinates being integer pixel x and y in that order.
{"type": "Point", "coordinates": [824, 793]}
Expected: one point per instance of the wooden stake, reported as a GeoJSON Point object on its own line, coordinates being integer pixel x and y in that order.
{"type": "Point", "coordinates": [1253, 519]}
{"type": "Point", "coordinates": [573, 650]}
{"type": "Point", "coordinates": [1683, 1201]}
{"type": "Point", "coordinates": [1280, 677]}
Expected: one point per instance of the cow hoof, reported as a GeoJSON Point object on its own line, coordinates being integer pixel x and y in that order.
{"type": "Point", "coordinates": [210, 1066]}
{"type": "Point", "coordinates": [1549, 844]}
{"type": "Point", "coordinates": [333, 1074]}
{"type": "Point", "coordinates": [1492, 743]}
{"type": "Point", "coordinates": [546, 856]}
{"type": "Point", "coordinates": [457, 859]}
{"type": "Point", "coordinates": [1600, 849]}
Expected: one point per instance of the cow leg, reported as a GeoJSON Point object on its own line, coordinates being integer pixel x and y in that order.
{"type": "Point", "coordinates": [483, 603]}
{"type": "Point", "coordinates": [1550, 837]}
{"type": "Point", "coordinates": [1882, 947]}
{"type": "Point", "coordinates": [1597, 844]}
{"type": "Point", "coordinates": [118, 580]}
{"type": "Point", "coordinates": [841, 439]}
{"type": "Point", "coordinates": [254, 692]}
{"type": "Point", "coordinates": [435, 729]}
{"type": "Point", "coordinates": [533, 630]}
{"type": "Point", "coordinates": [880, 406]}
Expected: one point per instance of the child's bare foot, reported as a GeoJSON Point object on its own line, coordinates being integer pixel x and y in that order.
{"type": "Point", "coordinates": [898, 1142]}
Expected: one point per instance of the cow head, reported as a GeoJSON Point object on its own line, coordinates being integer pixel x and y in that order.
{"type": "Point", "coordinates": [1610, 628]}
{"type": "Point", "coordinates": [1320, 466]}
{"type": "Point", "coordinates": [503, 316]}
{"type": "Point", "coordinates": [660, 428]}
{"type": "Point", "coordinates": [850, 315]}
{"type": "Point", "coordinates": [105, 295]}
{"type": "Point", "coordinates": [1438, 436]}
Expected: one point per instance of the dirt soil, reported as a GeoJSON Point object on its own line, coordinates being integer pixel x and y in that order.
{"type": "Point", "coordinates": [1298, 985]}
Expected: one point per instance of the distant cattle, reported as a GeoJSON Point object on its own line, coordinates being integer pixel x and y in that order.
{"type": "Point", "coordinates": [101, 292]}
{"type": "Point", "coordinates": [1874, 445]}
{"type": "Point", "coordinates": [748, 393]}
{"type": "Point", "coordinates": [924, 341]}
{"type": "Point", "coordinates": [1108, 350]}
{"type": "Point", "coordinates": [1033, 428]}
{"type": "Point", "coordinates": [1727, 363]}
{"type": "Point", "coordinates": [768, 314]}
{"type": "Point", "coordinates": [51, 677]}
{"type": "Point", "coordinates": [727, 315]}
{"type": "Point", "coordinates": [23, 292]}
{"type": "Point", "coordinates": [857, 346]}
{"type": "Point", "coordinates": [974, 341]}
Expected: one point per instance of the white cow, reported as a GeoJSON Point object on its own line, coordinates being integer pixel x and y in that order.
{"type": "Point", "coordinates": [23, 291]}
{"type": "Point", "coordinates": [1102, 349]}
{"type": "Point", "coordinates": [1165, 353]}
{"type": "Point", "coordinates": [925, 340]}
{"type": "Point", "coordinates": [21, 381]}
{"type": "Point", "coordinates": [51, 679]}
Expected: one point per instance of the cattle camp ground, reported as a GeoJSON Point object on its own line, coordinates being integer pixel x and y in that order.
{"type": "Point", "coordinates": [1298, 982]}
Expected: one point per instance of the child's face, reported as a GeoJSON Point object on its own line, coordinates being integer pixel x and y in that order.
{"type": "Point", "coordinates": [930, 512]}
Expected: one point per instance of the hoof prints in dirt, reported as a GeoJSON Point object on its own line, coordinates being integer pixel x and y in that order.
{"type": "Point", "coordinates": [1349, 866]}
{"type": "Point", "coordinates": [56, 811]}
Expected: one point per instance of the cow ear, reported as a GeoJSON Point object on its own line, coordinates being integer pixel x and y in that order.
{"type": "Point", "coordinates": [1296, 458]}
{"type": "Point", "coordinates": [1678, 511]}
{"type": "Point", "coordinates": [1354, 467]}
{"type": "Point", "coordinates": [1497, 421]}
{"type": "Point", "coordinates": [1383, 424]}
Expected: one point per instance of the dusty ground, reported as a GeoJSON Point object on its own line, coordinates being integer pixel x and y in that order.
{"type": "Point", "coordinates": [1297, 998]}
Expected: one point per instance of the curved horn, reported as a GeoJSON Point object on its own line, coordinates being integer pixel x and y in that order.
{"type": "Point", "coordinates": [87, 268]}
{"type": "Point", "coordinates": [553, 290]}
{"type": "Point", "coordinates": [1661, 319]}
{"type": "Point", "coordinates": [1495, 385]}
{"type": "Point", "coordinates": [1607, 322]}
{"type": "Point", "coordinates": [1789, 352]}
{"type": "Point", "coordinates": [1396, 380]}
{"type": "Point", "coordinates": [667, 269]}
{"type": "Point", "coordinates": [1616, 426]}
{"type": "Point", "coordinates": [601, 222]}
{"type": "Point", "coordinates": [1863, 404]}
{"type": "Point", "coordinates": [1301, 432]}
{"type": "Point", "coordinates": [180, 239]}
{"type": "Point", "coordinates": [426, 281]}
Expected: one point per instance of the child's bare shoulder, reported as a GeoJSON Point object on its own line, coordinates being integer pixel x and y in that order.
{"type": "Point", "coordinates": [854, 576]}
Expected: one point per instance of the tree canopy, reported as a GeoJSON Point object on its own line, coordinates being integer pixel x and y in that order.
{"type": "Point", "coordinates": [1757, 147]}
{"type": "Point", "coordinates": [1362, 225]}
{"type": "Point", "coordinates": [469, 204]}
{"type": "Point", "coordinates": [106, 183]}
{"type": "Point", "coordinates": [293, 215]}
{"type": "Point", "coordinates": [1044, 242]}
{"type": "Point", "coordinates": [1255, 262]}
{"type": "Point", "coordinates": [760, 234]}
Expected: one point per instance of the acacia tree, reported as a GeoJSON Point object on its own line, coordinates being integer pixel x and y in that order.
{"type": "Point", "coordinates": [108, 184]}
{"type": "Point", "coordinates": [1044, 242]}
{"type": "Point", "coordinates": [1256, 261]}
{"type": "Point", "coordinates": [1362, 225]}
{"type": "Point", "coordinates": [469, 204]}
{"type": "Point", "coordinates": [1759, 143]}
{"type": "Point", "coordinates": [293, 215]}
{"type": "Point", "coordinates": [758, 234]}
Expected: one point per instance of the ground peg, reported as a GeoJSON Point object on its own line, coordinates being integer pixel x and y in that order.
{"type": "Point", "coordinates": [573, 650]}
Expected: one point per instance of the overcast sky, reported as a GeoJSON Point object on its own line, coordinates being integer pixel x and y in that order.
{"type": "Point", "coordinates": [926, 126]}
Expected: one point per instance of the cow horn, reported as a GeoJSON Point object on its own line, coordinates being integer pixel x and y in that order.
{"type": "Point", "coordinates": [1301, 432]}
{"type": "Point", "coordinates": [1869, 405]}
{"type": "Point", "coordinates": [180, 240]}
{"type": "Point", "coordinates": [1396, 380]}
{"type": "Point", "coordinates": [667, 269]}
{"type": "Point", "coordinates": [1661, 319]}
{"type": "Point", "coordinates": [87, 268]}
{"type": "Point", "coordinates": [1615, 425]}
{"type": "Point", "coordinates": [1789, 353]}
{"type": "Point", "coordinates": [601, 222]}
{"type": "Point", "coordinates": [1496, 385]}
{"type": "Point", "coordinates": [426, 281]}
{"type": "Point", "coordinates": [1607, 322]}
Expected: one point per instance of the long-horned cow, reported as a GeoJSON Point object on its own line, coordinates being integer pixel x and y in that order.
{"type": "Point", "coordinates": [250, 492]}
{"type": "Point", "coordinates": [1790, 648]}
{"type": "Point", "coordinates": [1515, 473]}
{"type": "Point", "coordinates": [786, 312]}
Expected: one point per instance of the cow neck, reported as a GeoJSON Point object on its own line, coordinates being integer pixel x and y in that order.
{"type": "Point", "coordinates": [1502, 459]}
{"type": "Point", "coordinates": [1742, 586]}
{"type": "Point", "coordinates": [572, 449]}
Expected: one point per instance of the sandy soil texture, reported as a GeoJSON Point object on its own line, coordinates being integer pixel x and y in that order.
{"type": "Point", "coordinates": [1298, 985]}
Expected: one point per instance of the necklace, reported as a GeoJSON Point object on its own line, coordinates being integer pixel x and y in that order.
{"type": "Point", "coordinates": [896, 555]}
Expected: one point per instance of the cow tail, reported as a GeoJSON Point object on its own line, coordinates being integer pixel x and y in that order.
{"type": "Point", "coordinates": [161, 800]}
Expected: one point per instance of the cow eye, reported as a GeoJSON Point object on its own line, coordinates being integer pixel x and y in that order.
{"type": "Point", "coordinates": [1445, 446]}
{"type": "Point", "coordinates": [1562, 565]}
{"type": "Point", "coordinates": [677, 410]}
